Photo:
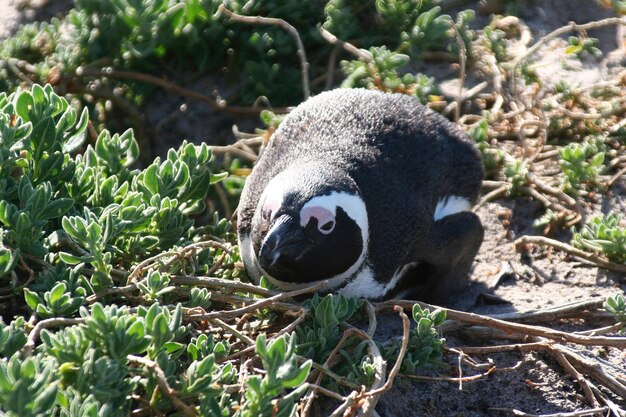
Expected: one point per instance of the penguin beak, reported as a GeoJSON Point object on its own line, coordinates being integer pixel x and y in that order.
{"type": "Point", "coordinates": [284, 242]}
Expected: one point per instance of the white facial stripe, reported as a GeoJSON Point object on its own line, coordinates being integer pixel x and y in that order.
{"type": "Point", "coordinates": [249, 258]}
{"type": "Point", "coordinates": [451, 205]}
{"type": "Point", "coordinates": [350, 203]}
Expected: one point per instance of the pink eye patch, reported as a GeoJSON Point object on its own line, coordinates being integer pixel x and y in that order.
{"type": "Point", "coordinates": [322, 214]}
{"type": "Point", "coordinates": [272, 203]}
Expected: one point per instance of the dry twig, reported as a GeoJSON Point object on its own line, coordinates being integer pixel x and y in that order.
{"type": "Point", "coordinates": [258, 305]}
{"type": "Point", "coordinates": [45, 324]}
{"type": "Point", "coordinates": [166, 85]}
{"type": "Point", "coordinates": [362, 54]}
{"type": "Point", "coordinates": [545, 332]}
{"type": "Point", "coordinates": [580, 413]}
{"type": "Point", "coordinates": [164, 386]}
{"type": "Point", "coordinates": [462, 62]}
{"type": "Point", "coordinates": [577, 376]}
{"type": "Point", "coordinates": [456, 380]}
{"type": "Point", "coordinates": [596, 259]}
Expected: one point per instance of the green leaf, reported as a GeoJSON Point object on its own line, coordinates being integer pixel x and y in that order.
{"type": "Point", "coordinates": [171, 347]}
{"type": "Point", "coordinates": [74, 141]}
{"type": "Point", "coordinates": [97, 313]}
{"type": "Point", "coordinates": [23, 105]}
{"type": "Point", "coordinates": [298, 377]}
{"type": "Point", "coordinates": [32, 299]}
{"type": "Point", "coordinates": [57, 292]}
{"type": "Point", "coordinates": [215, 178]}
{"type": "Point", "coordinates": [439, 316]}
{"type": "Point", "coordinates": [159, 327]}
{"type": "Point", "coordinates": [56, 208]}
{"type": "Point", "coordinates": [46, 399]}
{"type": "Point", "coordinates": [43, 137]}
{"type": "Point", "coordinates": [8, 260]}
{"type": "Point", "coordinates": [598, 159]}
{"type": "Point", "coordinates": [150, 179]}
{"type": "Point", "coordinates": [137, 330]}
{"type": "Point", "coordinates": [573, 49]}
{"type": "Point", "coordinates": [71, 259]}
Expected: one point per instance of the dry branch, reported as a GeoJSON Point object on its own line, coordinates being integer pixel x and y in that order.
{"type": "Point", "coordinates": [596, 259]}
{"type": "Point", "coordinates": [45, 324]}
{"type": "Point", "coordinates": [164, 386]}
{"type": "Point", "coordinates": [580, 413]}
{"type": "Point", "coordinates": [456, 380]}
{"type": "Point", "coordinates": [219, 283]}
{"type": "Point", "coordinates": [178, 253]}
{"type": "Point", "coordinates": [595, 370]}
{"type": "Point", "coordinates": [577, 376]}
{"type": "Point", "coordinates": [256, 306]}
{"type": "Point", "coordinates": [462, 63]}
{"type": "Point", "coordinates": [362, 54]}
{"type": "Point", "coordinates": [166, 85]}
{"type": "Point", "coordinates": [569, 310]}
{"type": "Point", "coordinates": [406, 327]}
{"type": "Point", "coordinates": [545, 332]}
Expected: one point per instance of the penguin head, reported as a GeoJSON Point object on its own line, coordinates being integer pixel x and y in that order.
{"type": "Point", "coordinates": [309, 225]}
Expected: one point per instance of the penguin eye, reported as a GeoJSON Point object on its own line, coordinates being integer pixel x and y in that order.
{"type": "Point", "coordinates": [327, 227]}
{"type": "Point", "coordinates": [266, 214]}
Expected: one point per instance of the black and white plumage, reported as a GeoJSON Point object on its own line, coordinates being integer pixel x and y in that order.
{"type": "Point", "coordinates": [368, 190]}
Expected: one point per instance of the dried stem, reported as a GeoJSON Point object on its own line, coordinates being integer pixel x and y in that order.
{"type": "Point", "coordinates": [166, 85]}
{"type": "Point", "coordinates": [553, 313]}
{"type": "Point", "coordinates": [45, 324]}
{"type": "Point", "coordinates": [594, 370]}
{"type": "Point", "coordinates": [233, 331]}
{"type": "Point", "coordinates": [577, 376]}
{"type": "Point", "coordinates": [616, 177]}
{"type": "Point", "coordinates": [596, 259]}
{"type": "Point", "coordinates": [258, 305]}
{"type": "Point", "coordinates": [219, 283]}
{"type": "Point", "coordinates": [455, 380]}
{"type": "Point", "coordinates": [462, 63]}
{"type": "Point", "coordinates": [491, 195]}
{"type": "Point", "coordinates": [545, 332]}
{"type": "Point", "coordinates": [517, 347]}
{"type": "Point", "coordinates": [545, 188]}
{"type": "Point", "coordinates": [362, 54]}
{"type": "Point", "coordinates": [138, 270]}
{"type": "Point", "coordinates": [406, 327]}
{"type": "Point", "coordinates": [164, 386]}
{"type": "Point", "coordinates": [580, 413]}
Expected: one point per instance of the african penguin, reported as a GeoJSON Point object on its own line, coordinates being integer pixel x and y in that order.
{"type": "Point", "coordinates": [368, 190]}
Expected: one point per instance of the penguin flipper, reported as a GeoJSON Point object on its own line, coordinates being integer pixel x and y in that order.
{"type": "Point", "coordinates": [455, 241]}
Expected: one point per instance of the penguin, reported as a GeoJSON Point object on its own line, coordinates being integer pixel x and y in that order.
{"type": "Point", "coordinates": [368, 191]}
